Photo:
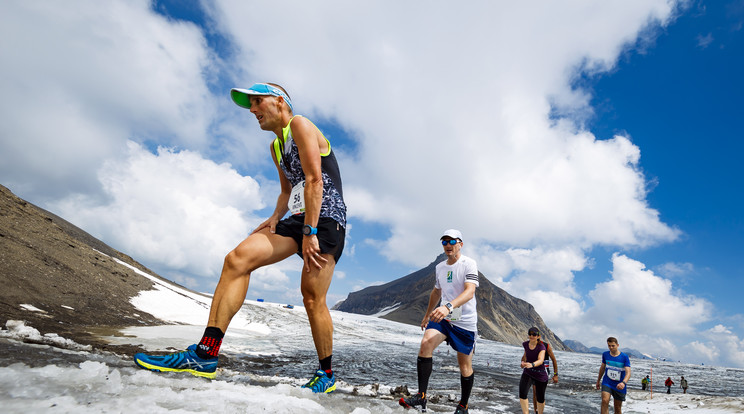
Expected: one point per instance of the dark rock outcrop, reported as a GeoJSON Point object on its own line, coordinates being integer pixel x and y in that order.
{"type": "Point", "coordinates": [66, 276]}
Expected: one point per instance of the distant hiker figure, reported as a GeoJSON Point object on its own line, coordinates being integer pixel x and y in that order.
{"type": "Point", "coordinates": [668, 383]}
{"type": "Point", "coordinates": [683, 384]}
{"type": "Point", "coordinates": [644, 383]}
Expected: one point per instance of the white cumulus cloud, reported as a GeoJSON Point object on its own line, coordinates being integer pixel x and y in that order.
{"type": "Point", "coordinates": [635, 299]}
{"type": "Point", "coordinates": [174, 209]}
{"type": "Point", "coordinates": [81, 78]}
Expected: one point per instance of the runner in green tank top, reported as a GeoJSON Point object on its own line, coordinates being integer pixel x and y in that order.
{"type": "Point", "coordinates": [315, 229]}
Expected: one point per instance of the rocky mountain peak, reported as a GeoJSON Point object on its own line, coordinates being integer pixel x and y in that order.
{"type": "Point", "coordinates": [501, 316]}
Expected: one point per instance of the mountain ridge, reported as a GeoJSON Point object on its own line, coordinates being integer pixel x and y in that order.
{"type": "Point", "coordinates": [577, 346]}
{"type": "Point", "coordinates": [501, 316]}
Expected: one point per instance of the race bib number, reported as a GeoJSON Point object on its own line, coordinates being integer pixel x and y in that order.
{"type": "Point", "coordinates": [455, 315]}
{"type": "Point", "coordinates": [614, 374]}
{"type": "Point", "coordinates": [296, 201]}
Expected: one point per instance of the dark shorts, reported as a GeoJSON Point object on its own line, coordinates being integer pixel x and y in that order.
{"type": "Point", "coordinates": [461, 340]}
{"type": "Point", "coordinates": [526, 382]}
{"type": "Point", "coordinates": [331, 235]}
{"type": "Point", "coordinates": [617, 395]}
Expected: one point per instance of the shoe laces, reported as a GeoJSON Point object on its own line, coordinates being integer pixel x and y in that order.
{"type": "Point", "coordinates": [315, 380]}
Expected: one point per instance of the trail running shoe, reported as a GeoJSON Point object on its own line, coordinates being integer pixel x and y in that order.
{"type": "Point", "coordinates": [321, 383]}
{"type": "Point", "coordinates": [461, 409]}
{"type": "Point", "coordinates": [184, 361]}
{"type": "Point", "coordinates": [414, 400]}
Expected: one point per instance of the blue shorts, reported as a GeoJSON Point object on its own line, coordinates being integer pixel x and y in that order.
{"type": "Point", "coordinates": [461, 340]}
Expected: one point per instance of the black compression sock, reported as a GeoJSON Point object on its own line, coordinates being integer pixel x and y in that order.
{"type": "Point", "coordinates": [209, 346]}
{"type": "Point", "coordinates": [466, 383]}
{"type": "Point", "coordinates": [325, 365]}
{"type": "Point", "coordinates": [423, 368]}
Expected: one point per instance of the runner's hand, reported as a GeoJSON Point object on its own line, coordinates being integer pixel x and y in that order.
{"type": "Point", "coordinates": [438, 314]}
{"type": "Point", "coordinates": [311, 253]}
{"type": "Point", "coordinates": [270, 222]}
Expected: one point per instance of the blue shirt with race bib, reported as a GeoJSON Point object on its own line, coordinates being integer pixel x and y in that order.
{"type": "Point", "coordinates": [614, 370]}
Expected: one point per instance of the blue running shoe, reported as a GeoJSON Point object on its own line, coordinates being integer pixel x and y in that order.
{"type": "Point", "coordinates": [184, 361]}
{"type": "Point", "coordinates": [321, 382]}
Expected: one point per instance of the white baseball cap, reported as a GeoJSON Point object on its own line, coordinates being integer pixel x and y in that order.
{"type": "Point", "coordinates": [452, 233]}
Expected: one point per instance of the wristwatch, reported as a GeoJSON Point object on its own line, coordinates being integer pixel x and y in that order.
{"type": "Point", "coordinates": [309, 230]}
{"type": "Point", "coordinates": [448, 306]}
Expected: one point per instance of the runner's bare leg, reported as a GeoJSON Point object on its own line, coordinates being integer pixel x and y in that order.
{"type": "Point", "coordinates": [314, 287]}
{"type": "Point", "coordinates": [259, 249]}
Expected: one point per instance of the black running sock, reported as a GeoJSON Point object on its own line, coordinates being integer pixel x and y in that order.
{"type": "Point", "coordinates": [466, 383]}
{"type": "Point", "coordinates": [209, 346]}
{"type": "Point", "coordinates": [423, 368]}
{"type": "Point", "coordinates": [325, 365]}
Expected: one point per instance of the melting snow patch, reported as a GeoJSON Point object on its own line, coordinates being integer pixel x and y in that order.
{"type": "Point", "coordinates": [384, 311]}
{"type": "Point", "coordinates": [19, 330]}
{"type": "Point", "coordinates": [31, 308]}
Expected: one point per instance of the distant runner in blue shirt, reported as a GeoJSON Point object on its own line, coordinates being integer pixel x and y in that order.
{"type": "Point", "coordinates": [614, 374]}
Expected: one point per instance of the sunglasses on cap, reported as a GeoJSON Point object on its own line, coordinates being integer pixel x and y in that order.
{"type": "Point", "coordinates": [450, 241]}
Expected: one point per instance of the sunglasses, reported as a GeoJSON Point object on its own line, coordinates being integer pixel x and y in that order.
{"type": "Point", "coordinates": [533, 334]}
{"type": "Point", "coordinates": [450, 241]}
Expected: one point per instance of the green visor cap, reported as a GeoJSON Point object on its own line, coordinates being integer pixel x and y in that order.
{"type": "Point", "coordinates": [242, 97]}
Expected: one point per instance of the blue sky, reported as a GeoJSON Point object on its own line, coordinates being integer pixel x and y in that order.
{"type": "Point", "coordinates": [677, 99]}
{"type": "Point", "coordinates": [586, 151]}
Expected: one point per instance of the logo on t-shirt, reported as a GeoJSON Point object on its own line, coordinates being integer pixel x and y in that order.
{"type": "Point", "coordinates": [449, 277]}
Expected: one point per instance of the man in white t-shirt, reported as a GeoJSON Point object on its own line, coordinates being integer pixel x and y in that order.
{"type": "Point", "coordinates": [454, 320]}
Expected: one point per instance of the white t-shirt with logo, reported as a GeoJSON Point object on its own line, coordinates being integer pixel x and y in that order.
{"type": "Point", "coordinates": [451, 279]}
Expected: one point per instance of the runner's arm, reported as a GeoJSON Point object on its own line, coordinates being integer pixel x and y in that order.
{"type": "Point", "coordinates": [465, 296]}
{"type": "Point", "coordinates": [601, 374]}
{"type": "Point", "coordinates": [441, 312]}
{"type": "Point", "coordinates": [281, 202]}
{"type": "Point", "coordinates": [434, 297]}
{"type": "Point", "coordinates": [540, 359]}
{"type": "Point", "coordinates": [626, 378]}
{"type": "Point", "coordinates": [308, 139]}
{"type": "Point", "coordinates": [555, 363]}
{"type": "Point", "coordinates": [524, 363]}
{"type": "Point", "coordinates": [532, 364]}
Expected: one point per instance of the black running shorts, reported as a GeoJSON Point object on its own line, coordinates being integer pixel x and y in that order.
{"type": "Point", "coordinates": [331, 235]}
